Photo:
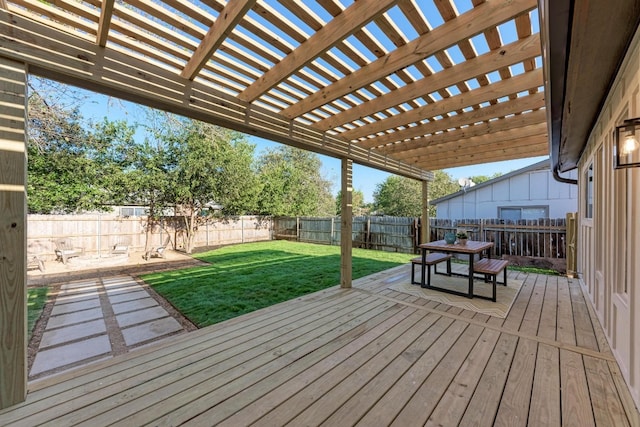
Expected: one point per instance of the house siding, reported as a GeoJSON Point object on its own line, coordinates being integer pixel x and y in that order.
{"type": "Point", "coordinates": [531, 188]}
{"type": "Point", "coordinates": [609, 241]}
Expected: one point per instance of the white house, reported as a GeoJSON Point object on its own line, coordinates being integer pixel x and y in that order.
{"type": "Point", "coordinates": [527, 193]}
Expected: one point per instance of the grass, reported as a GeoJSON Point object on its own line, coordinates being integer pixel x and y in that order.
{"type": "Point", "coordinates": [36, 299]}
{"type": "Point", "coordinates": [247, 277]}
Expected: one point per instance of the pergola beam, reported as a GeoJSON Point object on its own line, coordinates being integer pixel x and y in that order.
{"type": "Point", "coordinates": [74, 60]}
{"type": "Point", "coordinates": [518, 105]}
{"type": "Point", "coordinates": [510, 54]}
{"type": "Point", "coordinates": [228, 18]}
{"type": "Point", "coordinates": [483, 94]}
{"type": "Point", "coordinates": [487, 128]}
{"type": "Point", "coordinates": [512, 135]}
{"type": "Point", "coordinates": [477, 20]}
{"type": "Point", "coordinates": [343, 25]}
{"type": "Point", "coordinates": [527, 147]}
{"type": "Point", "coordinates": [106, 13]}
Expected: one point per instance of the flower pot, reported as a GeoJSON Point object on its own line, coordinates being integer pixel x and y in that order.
{"type": "Point", "coordinates": [462, 241]}
{"type": "Point", "coordinates": [450, 238]}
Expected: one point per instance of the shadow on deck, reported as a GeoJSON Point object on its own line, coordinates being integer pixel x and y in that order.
{"type": "Point", "coordinates": [368, 356]}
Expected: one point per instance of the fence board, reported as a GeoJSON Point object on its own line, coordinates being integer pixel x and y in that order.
{"type": "Point", "coordinates": [98, 233]}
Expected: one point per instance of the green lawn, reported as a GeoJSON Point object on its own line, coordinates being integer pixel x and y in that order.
{"type": "Point", "coordinates": [243, 278]}
{"type": "Point", "coordinates": [36, 299]}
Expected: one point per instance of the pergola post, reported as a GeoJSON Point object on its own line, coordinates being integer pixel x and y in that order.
{"type": "Point", "coordinates": [425, 232]}
{"type": "Point", "coordinates": [346, 217]}
{"type": "Point", "coordinates": [13, 233]}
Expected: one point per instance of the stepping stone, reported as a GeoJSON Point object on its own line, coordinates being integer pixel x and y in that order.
{"type": "Point", "coordinates": [150, 330]}
{"type": "Point", "coordinates": [141, 316]}
{"type": "Point", "coordinates": [47, 360]}
{"type": "Point", "coordinates": [72, 307]}
{"type": "Point", "coordinates": [129, 296]}
{"type": "Point", "coordinates": [124, 289]}
{"type": "Point", "coordinates": [72, 333]}
{"type": "Point", "coordinates": [78, 285]}
{"type": "Point", "coordinates": [73, 297]}
{"type": "Point", "coordinates": [75, 317]}
{"type": "Point", "coordinates": [138, 304]}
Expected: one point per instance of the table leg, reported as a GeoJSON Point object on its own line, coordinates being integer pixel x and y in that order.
{"type": "Point", "coordinates": [471, 256]}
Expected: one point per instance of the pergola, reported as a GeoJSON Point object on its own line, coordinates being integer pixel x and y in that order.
{"type": "Point", "coordinates": [404, 86]}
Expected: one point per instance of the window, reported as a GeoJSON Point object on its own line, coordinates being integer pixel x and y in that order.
{"type": "Point", "coordinates": [523, 212]}
{"type": "Point", "coordinates": [131, 211]}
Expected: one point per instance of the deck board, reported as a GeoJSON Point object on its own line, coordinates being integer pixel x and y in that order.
{"type": "Point", "coordinates": [366, 356]}
{"type": "Point", "coordinates": [514, 411]}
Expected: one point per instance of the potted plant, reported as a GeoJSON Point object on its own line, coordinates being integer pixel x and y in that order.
{"type": "Point", "coordinates": [462, 237]}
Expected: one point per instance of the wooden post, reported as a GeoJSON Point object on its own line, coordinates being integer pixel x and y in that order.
{"type": "Point", "coordinates": [13, 234]}
{"type": "Point", "coordinates": [425, 232]}
{"type": "Point", "coordinates": [571, 244]}
{"type": "Point", "coordinates": [346, 224]}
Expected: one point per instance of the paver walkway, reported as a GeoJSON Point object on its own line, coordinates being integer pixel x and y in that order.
{"type": "Point", "coordinates": [98, 318]}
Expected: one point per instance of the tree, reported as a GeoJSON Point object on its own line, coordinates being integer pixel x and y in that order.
{"type": "Point", "coordinates": [71, 167]}
{"type": "Point", "coordinates": [442, 185]}
{"type": "Point", "coordinates": [292, 184]}
{"type": "Point", "coordinates": [357, 201]}
{"type": "Point", "coordinates": [398, 196]}
{"type": "Point", "coordinates": [477, 179]}
{"type": "Point", "coordinates": [208, 165]}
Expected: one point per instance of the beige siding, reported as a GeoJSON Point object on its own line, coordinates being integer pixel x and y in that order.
{"type": "Point", "coordinates": [608, 255]}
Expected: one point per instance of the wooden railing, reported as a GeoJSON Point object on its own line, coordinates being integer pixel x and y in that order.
{"type": "Point", "coordinates": [543, 238]}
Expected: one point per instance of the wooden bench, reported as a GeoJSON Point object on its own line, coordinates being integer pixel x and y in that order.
{"type": "Point", "coordinates": [432, 259]}
{"type": "Point", "coordinates": [491, 268]}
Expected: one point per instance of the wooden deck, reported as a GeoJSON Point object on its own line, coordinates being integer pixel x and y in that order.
{"type": "Point", "coordinates": [365, 356]}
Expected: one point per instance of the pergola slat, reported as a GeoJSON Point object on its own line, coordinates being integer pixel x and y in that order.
{"type": "Point", "coordinates": [510, 54]}
{"type": "Point", "coordinates": [530, 102]}
{"type": "Point", "coordinates": [407, 149]}
{"type": "Point", "coordinates": [467, 25]}
{"type": "Point", "coordinates": [355, 16]}
{"type": "Point", "coordinates": [500, 89]}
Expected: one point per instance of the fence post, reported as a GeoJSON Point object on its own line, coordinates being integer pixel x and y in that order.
{"type": "Point", "coordinates": [298, 228]}
{"type": "Point", "coordinates": [242, 229]}
{"type": "Point", "coordinates": [331, 233]}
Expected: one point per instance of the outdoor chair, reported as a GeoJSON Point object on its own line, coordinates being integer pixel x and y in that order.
{"type": "Point", "coordinates": [120, 248]}
{"type": "Point", "coordinates": [65, 250]}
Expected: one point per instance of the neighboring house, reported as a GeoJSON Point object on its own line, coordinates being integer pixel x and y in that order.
{"type": "Point", "coordinates": [527, 193]}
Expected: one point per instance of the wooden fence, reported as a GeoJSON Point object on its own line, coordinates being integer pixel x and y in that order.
{"type": "Point", "coordinates": [544, 238]}
{"type": "Point", "coordinates": [98, 233]}
{"type": "Point", "coordinates": [394, 234]}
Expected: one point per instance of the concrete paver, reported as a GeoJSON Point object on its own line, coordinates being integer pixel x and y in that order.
{"type": "Point", "coordinates": [138, 304]}
{"type": "Point", "coordinates": [72, 307]}
{"type": "Point", "coordinates": [75, 317]}
{"type": "Point", "coordinates": [128, 296]}
{"type": "Point", "coordinates": [55, 358]}
{"type": "Point", "coordinates": [141, 316]}
{"type": "Point", "coordinates": [146, 331]}
{"type": "Point", "coordinates": [78, 332]}
{"type": "Point", "coordinates": [72, 333]}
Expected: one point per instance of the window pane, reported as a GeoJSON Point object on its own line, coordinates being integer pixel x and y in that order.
{"type": "Point", "coordinates": [535, 213]}
{"type": "Point", "coordinates": [510, 213]}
